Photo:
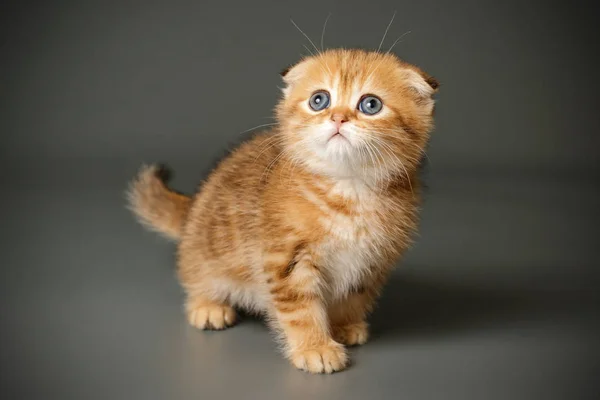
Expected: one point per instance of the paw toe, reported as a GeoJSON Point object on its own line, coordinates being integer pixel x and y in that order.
{"type": "Point", "coordinates": [325, 359]}
{"type": "Point", "coordinates": [352, 334]}
{"type": "Point", "coordinates": [212, 317]}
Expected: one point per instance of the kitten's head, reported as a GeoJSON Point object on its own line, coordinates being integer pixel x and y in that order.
{"type": "Point", "coordinates": [352, 113]}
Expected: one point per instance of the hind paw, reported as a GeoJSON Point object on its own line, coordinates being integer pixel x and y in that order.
{"type": "Point", "coordinates": [211, 316]}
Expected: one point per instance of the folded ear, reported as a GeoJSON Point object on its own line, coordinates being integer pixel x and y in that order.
{"type": "Point", "coordinates": [292, 74]}
{"type": "Point", "coordinates": [432, 82]}
{"type": "Point", "coordinates": [421, 83]}
{"type": "Point", "coordinates": [285, 71]}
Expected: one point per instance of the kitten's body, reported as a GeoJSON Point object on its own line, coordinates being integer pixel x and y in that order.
{"type": "Point", "coordinates": [297, 227]}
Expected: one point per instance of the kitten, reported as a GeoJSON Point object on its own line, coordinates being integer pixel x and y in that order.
{"type": "Point", "coordinates": [304, 223]}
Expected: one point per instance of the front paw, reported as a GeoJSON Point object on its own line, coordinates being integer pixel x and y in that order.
{"type": "Point", "coordinates": [351, 334]}
{"type": "Point", "coordinates": [323, 359]}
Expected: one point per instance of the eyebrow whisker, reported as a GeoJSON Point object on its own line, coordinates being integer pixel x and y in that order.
{"type": "Point", "coordinates": [397, 40]}
{"type": "Point", "coordinates": [323, 32]}
{"type": "Point", "coordinates": [386, 31]}
{"type": "Point", "coordinates": [305, 35]}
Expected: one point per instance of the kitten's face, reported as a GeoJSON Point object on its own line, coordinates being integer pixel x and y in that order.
{"type": "Point", "coordinates": [352, 113]}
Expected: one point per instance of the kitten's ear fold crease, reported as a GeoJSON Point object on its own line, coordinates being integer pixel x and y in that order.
{"type": "Point", "coordinates": [285, 71]}
{"type": "Point", "coordinates": [421, 83]}
{"type": "Point", "coordinates": [292, 74]}
{"type": "Point", "coordinates": [434, 83]}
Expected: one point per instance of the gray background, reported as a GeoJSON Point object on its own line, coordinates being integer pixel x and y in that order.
{"type": "Point", "coordinates": [498, 298]}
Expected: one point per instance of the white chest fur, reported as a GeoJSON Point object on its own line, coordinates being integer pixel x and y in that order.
{"type": "Point", "coordinates": [352, 249]}
{"type": "Point", "coordinates": [350, 255]}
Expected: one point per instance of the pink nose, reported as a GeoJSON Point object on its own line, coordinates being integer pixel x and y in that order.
{"type": "Point", "coordinates": [339, 119]}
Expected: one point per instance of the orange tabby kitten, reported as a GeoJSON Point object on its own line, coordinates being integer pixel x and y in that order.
{"type": "Point", "coordinates": [304, 223]}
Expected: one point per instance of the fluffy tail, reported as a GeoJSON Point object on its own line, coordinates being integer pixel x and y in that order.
{"type": "Point", "coordinates": [155, 205]}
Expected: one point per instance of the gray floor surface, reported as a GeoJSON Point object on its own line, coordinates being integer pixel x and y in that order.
{"type": "Point", "coordinates": [92, 310]}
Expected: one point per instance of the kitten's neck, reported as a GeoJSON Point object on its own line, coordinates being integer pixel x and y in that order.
{"type": "Point", "coordinates": [357, 185]}
{"type": "Point", "coordinates": [393, 184]}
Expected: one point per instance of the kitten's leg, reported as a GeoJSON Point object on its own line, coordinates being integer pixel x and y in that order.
{"type": "Point", "coordinates": [204, 313]}
{"type": "Point", "coordinates": [205, 308]}
{"type": "Point", "coordinates": [348, 318]}
{"type": "Point", "coordinates": [205, 305]}
{"type": "Point", "coordinates": [300, 314]}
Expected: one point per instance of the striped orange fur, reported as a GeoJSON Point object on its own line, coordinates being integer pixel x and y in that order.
{"type": "Point", "coordinates": [299, 223]}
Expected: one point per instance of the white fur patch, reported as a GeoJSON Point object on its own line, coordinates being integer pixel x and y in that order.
{"type": "Point", "coordinates": [247, 296]}
{"type": "Point", "coordinates": [350, 255]}
{"type": "Point", "coordinates": [351, 248]}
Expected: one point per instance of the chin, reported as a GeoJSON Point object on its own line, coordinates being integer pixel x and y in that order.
{"type": "Point", "coordinates": [339, 147]}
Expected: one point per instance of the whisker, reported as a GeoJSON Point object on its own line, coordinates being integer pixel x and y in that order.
{"type": "Point", "coordinates": [397, 40]}
{"type": "Point", "coordinates": [272, 163]}
{"type": "Point", "coordinates": [295, 162]}
{"type": "Point", "coordinates": [388, 150]}
{"type": "Point", "coordinates": [382, 164]}
{"type": "Point", "coordinates": [407, 177]}
{"type": "Point", "coordinates": [309, 50]}
{"type": "Point", "coordinates": [386, 31]}
{"type": "Point", "coordinates": [373, 159]}
{"type": "Point", "coordinates": [270, 142]}
{"type": "Point", "coordinates": [427, 157]}
{"type": "Point", "coordinates": [323, 32]}
{"type": "Point", "coordinates": [362, 157]}
{"type": "Point", "coordinates": [323, 62]}
{"type": "Point", "coordinates": [373, 69]}
{"type": "Point", "coordinates": [305, 35]}
{"type": "Point", "coordinates": [319, 53]}
{"type": "Point", "coordinates": [258, 126]}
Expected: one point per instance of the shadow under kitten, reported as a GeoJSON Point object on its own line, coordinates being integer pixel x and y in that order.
{"type": "Point", "coordinates": [420, 307]}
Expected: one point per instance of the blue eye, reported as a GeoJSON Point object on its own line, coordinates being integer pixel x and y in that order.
{"type": "Point", "coordinates": [370, 105]}
{"type": "Point", "coordinates": [319, 100]}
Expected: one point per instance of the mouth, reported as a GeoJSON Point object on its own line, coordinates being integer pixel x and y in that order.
{"type": "Point", "coordinates": [337, 136]}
